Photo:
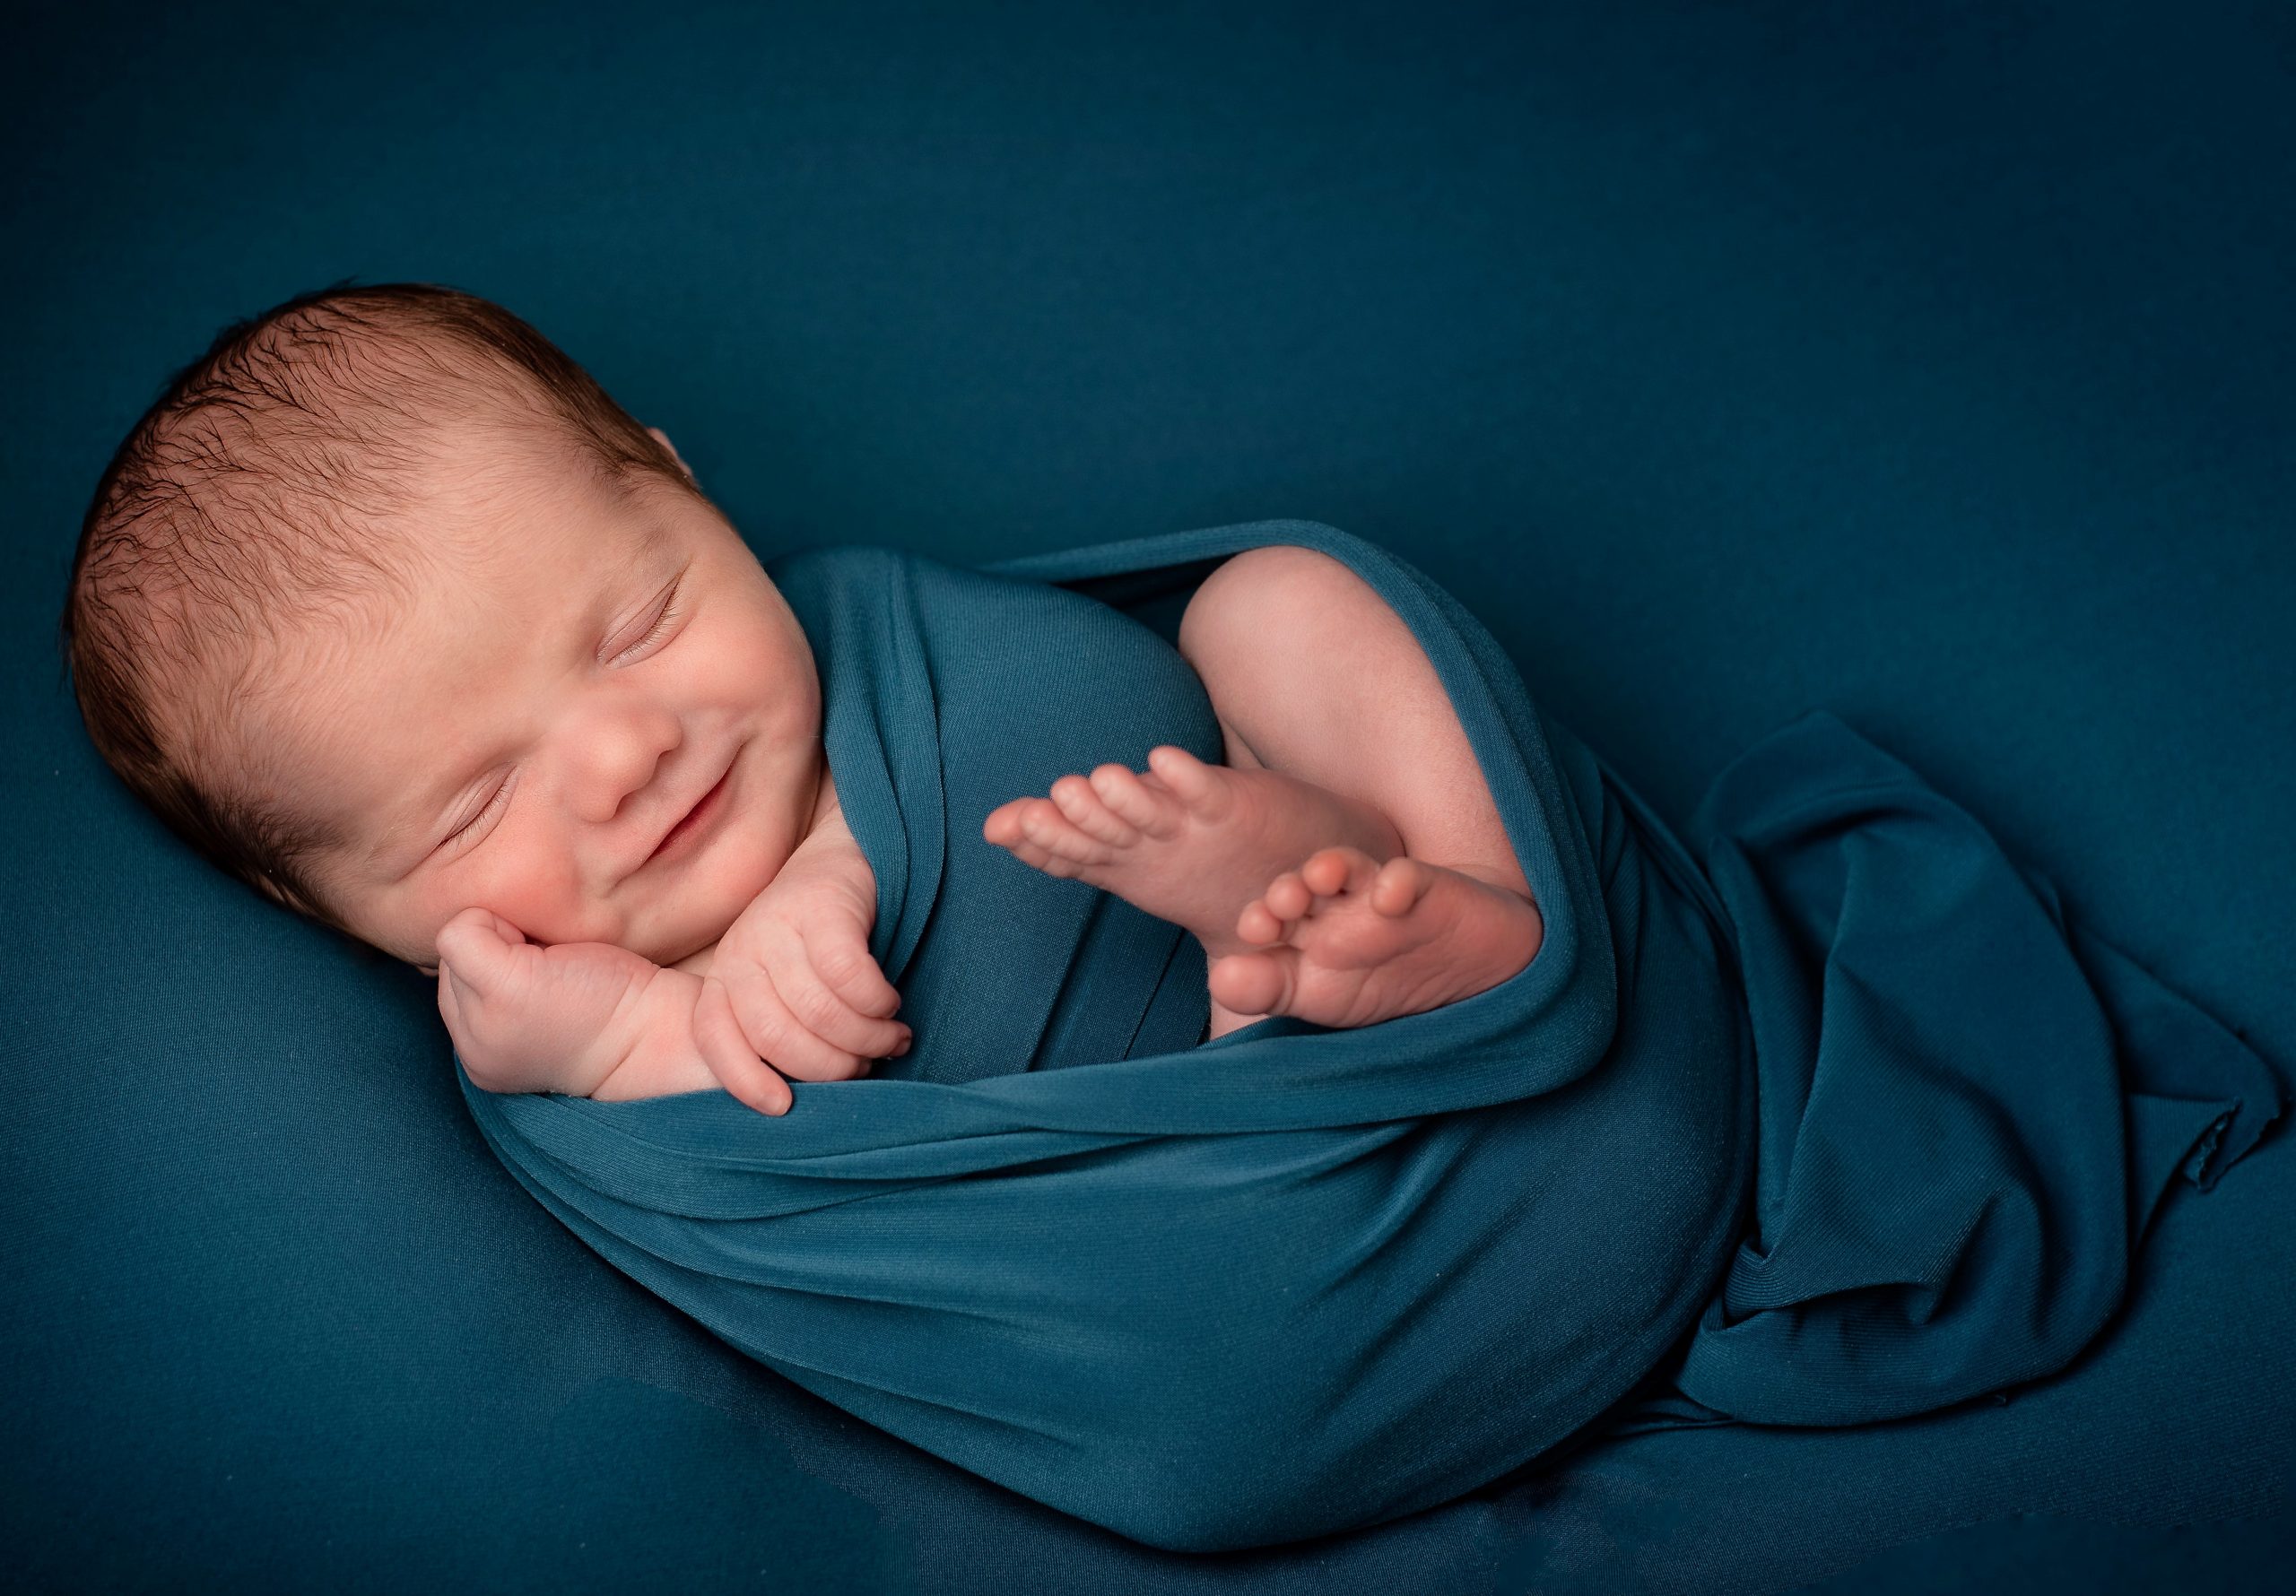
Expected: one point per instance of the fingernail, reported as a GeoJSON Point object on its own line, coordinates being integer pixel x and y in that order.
{"type": "Point", "coordinates": [902, 1048]}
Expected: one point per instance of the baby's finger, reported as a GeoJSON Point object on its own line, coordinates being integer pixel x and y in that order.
{"type": "Point", "coordinates": [468, 1028]}
{"type": "Point", "coordinates": [450, 1002]}
{"type": "Point", "coordinates": [841, 957]}
{"type": "Point", "coordinates": [822, 1011]}
{"type": "Point", "coordinates": [782, 1040]}
{"type": "Point", "coordinates": [462, 1005]}
{"type": "Point", "coordinates": [737, 1067]}
{"type": "Point", "coordinates": [478, 946]}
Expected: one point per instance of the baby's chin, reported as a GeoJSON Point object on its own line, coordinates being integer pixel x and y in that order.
{"type": "Point", "coordinates": [673, 941]}
{"type": "Point", "coordinates": [694, 949]}
{"type": "Point", "coordinates": [718, 887]}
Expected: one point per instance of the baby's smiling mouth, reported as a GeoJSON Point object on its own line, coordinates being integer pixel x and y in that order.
{"type": "Point", "coordinates": [681, 838]}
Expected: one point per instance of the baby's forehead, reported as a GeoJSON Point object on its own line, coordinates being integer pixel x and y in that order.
{"type": "Point", "coordinates": [489, 566]}
{"type": "Point", "coordinates": [489, 516]}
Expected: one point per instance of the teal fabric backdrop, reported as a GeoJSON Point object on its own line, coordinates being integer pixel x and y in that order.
{"type": "Point", "coordinates": [1927, 365]}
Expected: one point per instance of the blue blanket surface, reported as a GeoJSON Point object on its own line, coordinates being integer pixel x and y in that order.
{"type": "Point", "coordinates": [1826, 1114]}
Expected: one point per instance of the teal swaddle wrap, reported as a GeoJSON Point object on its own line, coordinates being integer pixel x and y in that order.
{"type": "Point", "coordinates": [1843, 1124]}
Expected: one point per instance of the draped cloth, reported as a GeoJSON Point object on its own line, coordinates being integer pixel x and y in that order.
{"type": "Point", "coordinates": [1822, 1113]}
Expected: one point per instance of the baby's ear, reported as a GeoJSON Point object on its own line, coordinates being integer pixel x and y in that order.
{"type": "Point", "coordinates": [663, 438]}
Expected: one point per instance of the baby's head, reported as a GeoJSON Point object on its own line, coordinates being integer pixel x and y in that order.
{"type": "Point", "coordinates": [386, 609]}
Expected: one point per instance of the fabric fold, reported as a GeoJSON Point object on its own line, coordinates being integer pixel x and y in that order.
{"type": "Point", "coordinates": [1831, 1103]}
{"type": "Point", "coordinates": [1920, 1007]}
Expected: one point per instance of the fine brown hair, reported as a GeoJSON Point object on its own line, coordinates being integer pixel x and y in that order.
{"type": "Point", "coordinates": [253, 492]}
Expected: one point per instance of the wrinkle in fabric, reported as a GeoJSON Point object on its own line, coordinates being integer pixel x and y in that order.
{"type": "Point", "coordinates": [1822, 1103]}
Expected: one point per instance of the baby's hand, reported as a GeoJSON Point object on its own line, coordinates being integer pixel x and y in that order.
{"type": "Point", "coordinates": [796, 972]}
{"type": "Point", "coordinates": [530, 1018]}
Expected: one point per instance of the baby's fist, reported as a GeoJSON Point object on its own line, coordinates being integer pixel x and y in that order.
{"type": "Point", "coordinates": [530, 1018]}
{"type": "Point", "coordinates": [800, 981]}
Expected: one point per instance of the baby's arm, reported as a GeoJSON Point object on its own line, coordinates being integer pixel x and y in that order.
{"type": "Point", "coordinates": [791, 982]}
{"type": "Point", "coordinates": [584, 1019]}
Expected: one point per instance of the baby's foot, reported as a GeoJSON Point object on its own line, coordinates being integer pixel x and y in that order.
{"type": "Point", "coordinates": [1187, 841]}
{"type": "Point", "coordinates": [1347, 940]}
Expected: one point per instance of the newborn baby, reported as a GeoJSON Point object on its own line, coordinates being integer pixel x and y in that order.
{"type": "Point", "coordinates": [389, 610]}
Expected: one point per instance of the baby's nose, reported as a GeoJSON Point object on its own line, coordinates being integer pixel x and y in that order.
{"type": "Point", "coordinates": [611, 758]}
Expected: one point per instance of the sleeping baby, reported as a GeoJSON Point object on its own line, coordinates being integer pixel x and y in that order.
{"type": "Point", "coordinates": [391, 612]}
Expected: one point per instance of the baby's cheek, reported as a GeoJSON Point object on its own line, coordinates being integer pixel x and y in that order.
{"type": "Point", "coordinates": [752, 856]}
{"type": "Point", "coordinates": [543, 898]}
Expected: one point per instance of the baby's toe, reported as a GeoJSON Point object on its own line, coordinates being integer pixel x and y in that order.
{"type": "Point", "coordinates": [1037, 858]}
{"type": "Point", "coordinates": [1287, 896]}
{"type": "Point", "coordinates": [1003, 825]}
{"type": "Point", "coordinates": [1332, 870]}
{"type": "Point", "coordinates": [1190, 779]}
{"type": "Point", "coordinates": [1123, 791]}
{"type": "Point", "coordinates": [1401, 883]}
{"type": "Point", "coordinates": [1043, 824]}
{"type": "Point", "coordinates": [1083, 806]}
{"type": "Point", "coordinates": [1260, 925]}
{"type": "Point", "coordinates": [1254, 983]}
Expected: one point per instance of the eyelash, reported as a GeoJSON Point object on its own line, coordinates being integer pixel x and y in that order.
{"type": "Point", "coordinates": [670, 612]}
{"type": "Point", "coordinates": [468, 827]}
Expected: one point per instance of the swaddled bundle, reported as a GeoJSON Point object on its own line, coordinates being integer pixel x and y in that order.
{"type": "Point", "coordinates": [1853, 1122]}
